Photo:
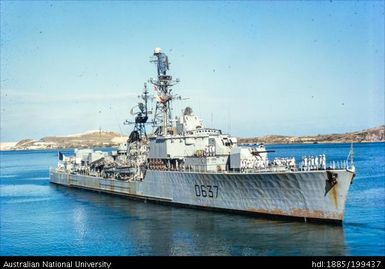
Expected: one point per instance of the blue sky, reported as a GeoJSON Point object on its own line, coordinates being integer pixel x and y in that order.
{"type": "Point", "coordinates": [249, 68]}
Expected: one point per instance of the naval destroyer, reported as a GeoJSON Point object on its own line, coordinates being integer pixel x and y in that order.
{"type": "Point", "coordinates": [183, 163]}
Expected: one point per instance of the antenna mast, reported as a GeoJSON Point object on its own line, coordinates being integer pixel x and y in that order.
{"type": "Point", "coordinates": [141, 118]}
{"type": "Point", "coordinates": [163, 95]}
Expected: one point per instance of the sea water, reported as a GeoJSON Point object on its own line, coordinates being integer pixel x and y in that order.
{"type": "Point", "coordinates": [40, 218]}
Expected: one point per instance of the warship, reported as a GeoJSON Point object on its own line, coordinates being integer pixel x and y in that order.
{"type": "Point", "coordinates": [183, 163]}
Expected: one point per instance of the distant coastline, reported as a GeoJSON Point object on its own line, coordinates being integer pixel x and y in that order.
{"type": "Point", "coordinates": [95, 138]}
{"type": "Point", "coordinates": [376, 134]}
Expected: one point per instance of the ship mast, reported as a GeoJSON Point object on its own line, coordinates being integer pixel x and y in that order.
{"type": "Point", "coordinates": [162, 86]}
{"type": "Point", "coordinates": [141, 118]}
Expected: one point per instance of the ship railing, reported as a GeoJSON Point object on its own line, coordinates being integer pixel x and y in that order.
{"type": "Point", "coordinates": [270, 167]}
{"type": "Point", "coordinates": [63, 169]}
{"type": "Point", "coordinates": [333, 165]}
{"type": "Point", "coordinates": [213, 169]}
{"type": "Point", "coordinates": [339, 165]}
{"type": "Point", "coordinates": [56, 169]}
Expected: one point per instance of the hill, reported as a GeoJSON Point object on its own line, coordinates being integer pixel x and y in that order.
{"type": "Point", "coordinates": [88, 139]}
{"type": "Point", "coordinates": [97, 138]}
{"type": "Point", "coordinates": [376, 134]}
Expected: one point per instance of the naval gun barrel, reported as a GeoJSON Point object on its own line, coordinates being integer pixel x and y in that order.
{"type": "Point", "coordinates": [264, 151]}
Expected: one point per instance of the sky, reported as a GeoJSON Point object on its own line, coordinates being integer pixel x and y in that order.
{"type": "Point", "coordinates": [250, 68]}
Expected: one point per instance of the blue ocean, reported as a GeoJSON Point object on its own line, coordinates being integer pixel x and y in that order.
{"type": "Point", "coordinates": [39, 218]}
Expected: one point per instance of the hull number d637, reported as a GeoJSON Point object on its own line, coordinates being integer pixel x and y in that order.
{"type": "Point", "coordinates": [206, 191]}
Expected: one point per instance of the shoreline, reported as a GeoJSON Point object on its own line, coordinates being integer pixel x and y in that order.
{"type": "Point", "coordinates": [240, 144]}
{"type": "Point", "coordinates": [104, 139]}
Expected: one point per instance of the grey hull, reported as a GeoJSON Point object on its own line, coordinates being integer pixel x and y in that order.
{"type": "Point", "coordinates": [307, 195]}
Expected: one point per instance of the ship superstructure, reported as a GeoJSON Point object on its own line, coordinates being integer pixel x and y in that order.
{"type": "Point", "coordinates": [184, 163]}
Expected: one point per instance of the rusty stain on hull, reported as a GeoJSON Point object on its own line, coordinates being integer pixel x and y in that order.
{"type": "Point", "coordinates": [334, 196]}
{"type": "Point", "coordinates": [316, 214]}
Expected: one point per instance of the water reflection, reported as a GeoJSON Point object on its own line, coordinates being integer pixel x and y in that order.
{"type": "Point", "coordinates": [126, 227]}
{"type": "Point", "coordinates": [80, 221]}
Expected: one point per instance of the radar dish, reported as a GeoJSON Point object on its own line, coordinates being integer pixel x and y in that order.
{"type": "Point", "coordinates": [141, 107]}
{"type": "Point", "coordinates": [187, 111]}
